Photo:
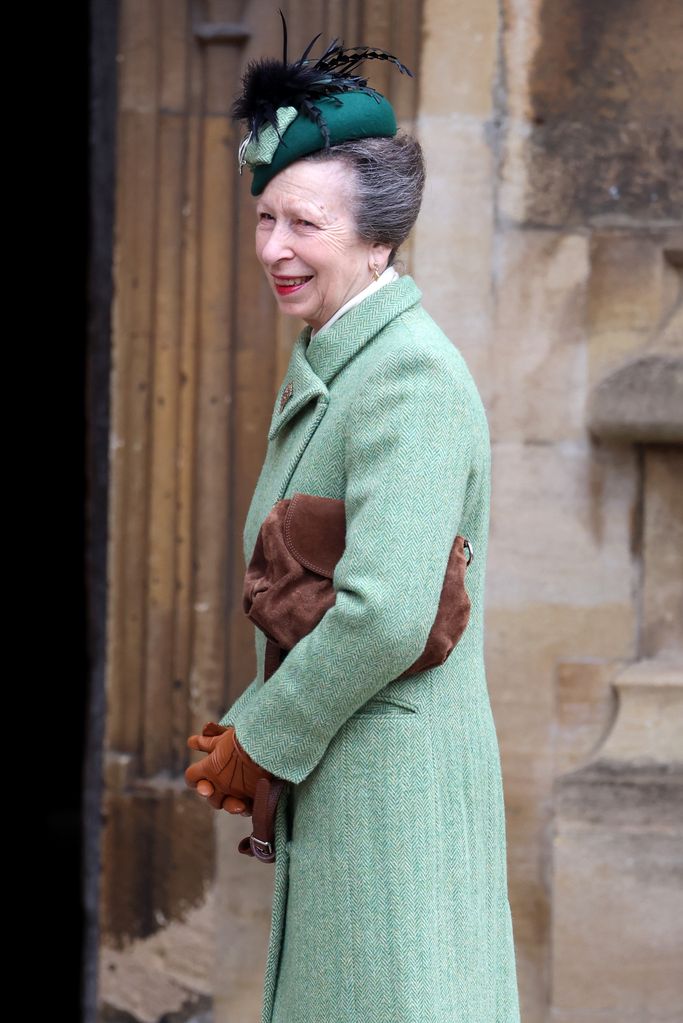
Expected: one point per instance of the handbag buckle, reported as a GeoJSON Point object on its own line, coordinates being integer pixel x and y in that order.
{"type": "Point", "coordinates": [467, 546]}
{"type": "Point", "coordinates": [263, 850]}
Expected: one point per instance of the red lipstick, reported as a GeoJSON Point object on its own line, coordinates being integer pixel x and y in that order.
{"type": "Point", "coordinates": [289, 285]}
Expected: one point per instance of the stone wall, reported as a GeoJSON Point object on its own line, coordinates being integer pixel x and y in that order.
{"type": "Point", "coordinates": [549, 249]}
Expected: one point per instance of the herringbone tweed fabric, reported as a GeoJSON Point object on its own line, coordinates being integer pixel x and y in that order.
{"type": "Point", "coordinates": [390, 899]}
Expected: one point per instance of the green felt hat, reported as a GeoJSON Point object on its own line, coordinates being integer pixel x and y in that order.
{"type": "Point", "coordinates": [294, 109]}
{"type": "Point", "coordinates": [353, 115]}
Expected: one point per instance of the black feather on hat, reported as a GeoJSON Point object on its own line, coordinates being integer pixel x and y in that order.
{"type": "Point", "coordinates": [269, 84]}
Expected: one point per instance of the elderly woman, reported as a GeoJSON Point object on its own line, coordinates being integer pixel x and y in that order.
{"type": "Point", "coordinates": [390, 895]}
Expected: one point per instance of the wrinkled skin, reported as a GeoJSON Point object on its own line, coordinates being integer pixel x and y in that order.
{"type": "Point", "coordinates": [306, 230]}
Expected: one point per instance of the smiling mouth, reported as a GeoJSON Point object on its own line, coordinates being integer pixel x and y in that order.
{"type": "Point", "coordinates": [290, 282]}
{"type": "Point", "coordinates": [288, 285]}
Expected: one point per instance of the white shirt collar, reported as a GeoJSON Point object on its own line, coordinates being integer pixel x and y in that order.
{"type": "Point", "coordinates": [387, 277]}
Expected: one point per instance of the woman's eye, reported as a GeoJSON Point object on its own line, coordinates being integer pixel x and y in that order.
{"type": "Point", "coordinates": [306, 223]}
{"type": "Point", "coordinates": [264, 216]}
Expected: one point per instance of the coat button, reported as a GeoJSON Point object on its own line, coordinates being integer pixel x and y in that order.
{"type": "Point", "coordinates": [286, 395]}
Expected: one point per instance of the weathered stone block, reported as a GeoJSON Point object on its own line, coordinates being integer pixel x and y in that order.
{"type": "Point", "coordinates": [539, 359]}
{"type": "Point", "coordinates": [453, 238]}
{"type": "Point", "coordinates": [627, 296]}
{"type": "Point", "coordinates": [561, 526]}
{"type": "Point", "coordinates": [459, 48]}
{"type": "Point", "coordinates": [585, 708]}
{"type": "Point", "coordinates": [640, 402]}
{"type": "Point", "coordinates": [662, 596]}
{"type": "Point", "coordinates": [633, 301]}
{"type": "Point", "coordinates": [649, 724]}
{"type": "Point", "coordinates": [598, 86]}
{"type": "Point", "coordinates": [617, 895]}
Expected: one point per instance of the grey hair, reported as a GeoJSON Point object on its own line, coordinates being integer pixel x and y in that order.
{"type": "Point", "coordinates": [389, 182]}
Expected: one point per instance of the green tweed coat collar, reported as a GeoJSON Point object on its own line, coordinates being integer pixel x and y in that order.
{"type": "Point", "coordinates": [314, 365]}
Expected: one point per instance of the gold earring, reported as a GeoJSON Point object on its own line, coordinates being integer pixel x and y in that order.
{"type": "Point", "coordinates": [375, 272]}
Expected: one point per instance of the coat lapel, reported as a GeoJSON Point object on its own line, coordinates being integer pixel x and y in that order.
{"type": "Point", "coordinates": [314, 364]}
{"type": "Point", "coordinates": [301, 386]}
{"type": "Point", "coordinates": [330, 350]}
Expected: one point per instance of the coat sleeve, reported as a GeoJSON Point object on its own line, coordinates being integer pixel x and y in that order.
{"type": "Point", "coordinates": [409, 446]}
{"type": "Point", "coordinates": [240, 704]}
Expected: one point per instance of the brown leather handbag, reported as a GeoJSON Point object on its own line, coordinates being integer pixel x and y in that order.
{"type": "Point", "coordinates": [287, 590]}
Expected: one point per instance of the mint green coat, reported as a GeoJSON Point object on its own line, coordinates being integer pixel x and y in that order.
{"type": "Point", "coordinates": [390, 891]}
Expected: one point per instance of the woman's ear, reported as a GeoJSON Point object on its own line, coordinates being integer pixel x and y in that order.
{"type": "Point", "coordinates": [379, 255]}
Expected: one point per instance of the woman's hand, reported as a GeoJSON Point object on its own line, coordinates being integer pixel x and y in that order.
{"type": "Point", "coordinates": [227, 777]}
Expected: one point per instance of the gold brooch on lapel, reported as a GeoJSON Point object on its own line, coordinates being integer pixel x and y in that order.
{"type": "Point", "coordinates": [286, 395]}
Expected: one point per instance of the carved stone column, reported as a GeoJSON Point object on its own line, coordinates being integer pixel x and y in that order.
{"type": "Point", "coordinates": [617, 889]}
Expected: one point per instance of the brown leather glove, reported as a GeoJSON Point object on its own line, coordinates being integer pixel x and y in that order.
{"type": "Point", "coordinates": [206, 788]}
{"type": "Point", "coordinates": [229, 768]}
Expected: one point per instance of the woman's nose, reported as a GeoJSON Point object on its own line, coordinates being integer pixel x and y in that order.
{"type": "Point", "coordinates": [277, 245]}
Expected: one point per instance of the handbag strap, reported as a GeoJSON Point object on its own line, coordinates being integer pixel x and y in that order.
{"type": "Point", "coordinates": [261, 842]}
{"type": "Point", "coordinates": [273, 659]}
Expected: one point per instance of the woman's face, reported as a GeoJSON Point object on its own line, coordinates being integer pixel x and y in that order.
{"type": "Point", "coordinates": [306, 240]}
